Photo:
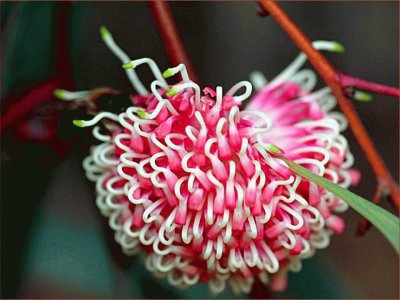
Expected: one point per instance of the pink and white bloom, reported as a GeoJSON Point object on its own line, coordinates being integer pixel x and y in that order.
{"type": "Point", "coordinates": [194, 180]}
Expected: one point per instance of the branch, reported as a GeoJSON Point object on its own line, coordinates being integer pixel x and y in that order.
{"type": "Point", "coordinates": [364, 225]}
{"type": "Point", "coordinates": [22, 106]}
{"type": "Point", "coordinates": [330, 76]}
{"type": "Point", "coordinates": [169, 34]}
{"type": "Point", "coordinates": [354, 82]}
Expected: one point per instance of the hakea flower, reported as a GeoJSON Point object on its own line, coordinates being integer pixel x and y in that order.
{"type": "Point", "coordinates": [195, 181]}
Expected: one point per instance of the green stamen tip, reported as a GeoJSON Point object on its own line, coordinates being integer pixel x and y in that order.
{"type": "Point", "coordinates": [172, 92]}
{"type": "Point", "coordinates": [79, 123]}
{"type": "Point", "coordinates": [128, 65]}
{"type": "Point", "coordinates": [59, 94]}
{"type": "Point", "coordinates": [167, 73]}
{"type": "Point", "coordinates": [273, 148]}
{"type": "Point", "coordinates": [104, 32]}
{"type": "Point", "coordinates": [142, 114]}
{"type": "Point", "coordinates": [361, 96]}
{"type": "Point", "coordinates": [337, 47]}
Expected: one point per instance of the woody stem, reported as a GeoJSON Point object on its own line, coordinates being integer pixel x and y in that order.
{"type": "Point", "coordinates": [351, 81]}
{"type": "Point", "coordinates": [169, 34]}
{"type": "Point", "coordinates": [330, 76]}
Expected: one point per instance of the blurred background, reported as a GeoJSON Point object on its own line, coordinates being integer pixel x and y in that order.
{"type": "Point", "coordinates": [55, 244]}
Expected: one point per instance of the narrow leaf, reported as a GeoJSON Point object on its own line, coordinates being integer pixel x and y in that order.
{"type": "Point", "coordinates": [385, 222]}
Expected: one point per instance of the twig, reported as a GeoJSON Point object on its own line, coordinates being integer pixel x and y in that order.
{"type": "Point", "coordinates": [330, 76]}
{"type": "Point", "coordinates": [169, 34]}
{"type": "Point", "coordinates": [351, 81]}
{"type": "Point", "coordinates": [42, 92]}
{"type": "Point", "coordinates": [381, 193]}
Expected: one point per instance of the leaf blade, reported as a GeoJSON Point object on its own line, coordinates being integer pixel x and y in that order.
{"type": "Point", "coordinates": [385, 222]}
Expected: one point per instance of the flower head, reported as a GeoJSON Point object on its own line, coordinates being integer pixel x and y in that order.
{"type": "Point", "coordinates": [193, 180]}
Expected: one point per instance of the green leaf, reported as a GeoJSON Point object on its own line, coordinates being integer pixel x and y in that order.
{"type": "Point", "coordinates": [385, 222]}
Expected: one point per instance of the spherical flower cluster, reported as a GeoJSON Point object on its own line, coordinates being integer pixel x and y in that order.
{"type": "Point", "coordinates": [197, 184]}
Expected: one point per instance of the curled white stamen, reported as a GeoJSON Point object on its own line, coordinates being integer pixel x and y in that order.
{"type": "Point", "coordinates": [196, 226]}
{"type": "Point", "coordinates": [218, 101]}
{"type": "Point", "coordinates": [153, 87]}
{"type": "Point", "coordinates": [181, 68]}
{"type": "Point", "coordinates": [209, 211]}
{"type": "Point", "coordinates": [253, 227]}
{"type": "Point", "coordinates": [159, 184]}
{"type": "Point", "coordinates": [174, 136]}
{"type": "Point", "coordinates": [219, 248]}
{"type": "Point", "coordinates": [258, 79]}
{"type": "Point", "coordinates": [142, 133]}
{"type": "Point", "coordinates": [160, 252]}
{"type": "Point", "coordinates": [200, 119]}
{"type": "Point", "coordinates": [153, 67]}
{"type": "Point", "coordinates": [233, 114]}
{"type": "Point", "coordinates": [319, 150]}
{"type": "Point", "coordinates": [188, 130]}
{"type": "Point", "coordinates": [112, 190]}
{"type": "Point", "coordinates": [261, 115]}
{"type": "Point", "coordinates": [123, 57]}
{"type": "Point", "coordinates": [306, 79]}
{"type": "Point", "coordinates": [118, 142]}
{"type": "Point", "coordinates": [97, 118]}
{"type": "Point", "coordinates": [186, 238]}
{"type": "Point", "coordinates": [151, 209]}
{"type": "Point", "coordinates": [343, 123]}
{"type": "Point", "coordinates": [101, 137]}
{"type": "Point", "coordinates": [290, 70]}
{"type": "Point", "coordinates": [295, 214]}
{"type": "Point", "coordinates": [130, 195]}
{"type": "Point", "coordinates": [144, 239]}
{"type": "Point", "coordinates": [274, 266]}
{"type": "Point", "coordinates": [178, 188]}
{"type": "Point", "coordinates": [208, 249]}
{"type": "Point", "coordinates": [292, 240]}
{"type": "Point", "coordinates": [243, 148]}
{"type": "Point", "coordinates": [247, 85]}
{"type": "Point", "coordinates": [158, 143]}
{"type": "Point", "coordinates": [163, 267]}
{"type": "Point", "coordinates": [310, 161]}
{"type": "Point", "coordinates": [348, 161]}
{"type": "Point", "coordinates": [228, 233]}
{"type": "Point", "coordinates": [186, 85]}
{"type": "Point", "coordinates": [71, 96]}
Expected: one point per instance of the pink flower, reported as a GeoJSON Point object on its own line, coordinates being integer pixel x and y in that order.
{"type": "Point", "coordinates": [195, 182]}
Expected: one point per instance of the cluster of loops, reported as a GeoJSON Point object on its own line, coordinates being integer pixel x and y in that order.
{"type": "Point", "coordinates": [194, 183]}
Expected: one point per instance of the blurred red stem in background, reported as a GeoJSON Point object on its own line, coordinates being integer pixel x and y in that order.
{"type": "Point", "coordinates": [169, 34]}
{"type": "Point", "coordinates": [22, 107]}
{"type": "Point", "coordinates": [332, 79]}
{"type": "Point", "coordinates": [381, 193]}
{"type": "Point", "coordinates": [354, 82]}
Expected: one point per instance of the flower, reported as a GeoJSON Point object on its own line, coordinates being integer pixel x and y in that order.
{"type": "Point", "coordinates": [198, 185]}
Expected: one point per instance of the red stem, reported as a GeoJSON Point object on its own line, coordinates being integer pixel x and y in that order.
{"type": "Point", "coordinates": [330, 76]}
{"type": "Point", "coordinates": [22, 106]}
{"type": "Point", "coordinates": [169, 34]}
{"type": "Point", "coordinates": [350, 81]}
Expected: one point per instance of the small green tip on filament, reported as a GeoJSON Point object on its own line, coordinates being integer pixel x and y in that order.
{"type": "Point", "coordinates": [58, 93]}
{"type": "Point", "coordinates": [172, 92]}
{"type": "Point", "coordinates": [362, 96]}
{"type": "Point", "coordinates": [104, 32]}
{"type": "Point", "coordinates": [78, 123]}
{"type": "Point", "coordinates": [274, 149]}
{"type": "Point", "coordinates": [337, 47]}
{"type": "Point", "coordinates": [142, 114]}
{"type": "Point", "coordinates": [128, 65]}
{"type": "Point", "coordinates": [167, 73]}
